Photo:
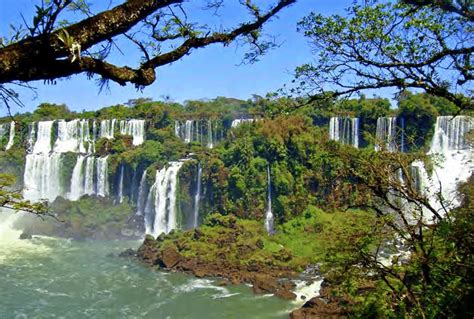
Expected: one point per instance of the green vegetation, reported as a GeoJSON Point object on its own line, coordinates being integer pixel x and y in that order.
{"type": "Point", "coordinates": [298, 243]}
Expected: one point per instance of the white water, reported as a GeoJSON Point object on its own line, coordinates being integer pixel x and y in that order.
{"type": "Point", "coordinates": [42, 176]}
{"type": "Point", "coordinates": [197, 197]}
{"type": "Point", "coordinates": [241, 121]}
{"type": "Point", "coordinates": [77, 181]}
{"type": "Point", "coordinates": [201, 131]}
{"type": "Point", "coordinates": [31, 137]}
{"type": "Point", "coordinates": [269, 219]}
{"type": "Point", "coordinates": [102, 176]}
{"type": "Point", "coordinates": [89, 176]}
{"type": "Point", "coordinates": [134, 128]}
{"type": "Point", "coordinates": [107, 129]}
{"type": "Point", "coordinates": [210, 143]}
{"type": "Point", "coordinates": [120, 188]}
{"type": "Point", "coordinates": [11, 247]}
{"type": "Point", "coordinates": [73, 136]}
{"type": "Point", "coordinates": [386, 135]}
{"type": "Point", "coordinates": [344, 130]}
{"type": "Point", "coordinates": [162, 197]}
{"type": "Point", "coordinates": [142, 193]}
{"type": "Point", "coordinates": [11, 136]}
{"type": "Point", "coordinates": [453, 154]}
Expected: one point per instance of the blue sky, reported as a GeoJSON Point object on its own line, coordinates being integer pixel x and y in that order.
{"type": "Point", "coordinates": [206, 73]}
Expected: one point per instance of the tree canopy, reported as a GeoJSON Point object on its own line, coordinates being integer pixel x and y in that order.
{"type": "Point", "coordinates": [425, 45]}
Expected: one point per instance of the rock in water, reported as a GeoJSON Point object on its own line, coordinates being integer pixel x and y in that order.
{"type": "Point", "coordinates": [170, 257]}
{"type": "Point", "coordinates": [25, 236]}
{"type": "Point", "coordinates": [128, 253]}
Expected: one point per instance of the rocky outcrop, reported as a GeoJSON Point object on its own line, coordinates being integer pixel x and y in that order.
{"type": "Point", "coordinates": [326, 305]}
{"type": "Point", "coordinates": [166, 254]}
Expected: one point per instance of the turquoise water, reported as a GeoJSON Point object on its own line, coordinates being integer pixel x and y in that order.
{"type": "Point", "coordinates": [56, 278]}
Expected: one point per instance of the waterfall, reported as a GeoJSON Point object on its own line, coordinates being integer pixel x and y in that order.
{"type": "Point", "coordinates": [73, 137]}
{"type": "Point", "coordinates": [196, 131]}
{"type": "Point", "coordinates": [454, 154]}
{"type": "Point", "coordinates": [89, 176]}
{"type": "Point", "coordinates": [77, 179]}
{"type": "Point", "coordinates": [197, 197]}
{"type": "Point", "coordinates": [142, 192]}
{"type": "Point", "coordinates": [240, 121]}
{"type": "Point", "coordinates": [43, 138]}
{"type": "Point", "coordinates": [269, 220]}
{"type": "Point", "coordinates": [42, 169]}
{"type": "Point", "coordinates": [386, 134]}
{"type": "Point", "coordinates": [162, 197]}
{"type": "Point", "coordinates": [210, 143]}
{"type": "Point", "coordinates": [3, 130]}
{"type": "Point", "coordinates": [11, 136]}
{"type": "Point", "coordinates": [120, 188]}
{"type": "Point", "coordinates": [134, 128]}
{"type": "Point", "coordinates": [453, 163]}
{"type": "Point", "coordinates": [102, 177]}
{"type": "Point", "coordinates": [188, 131]}
{"type": "Point", "coordinates": [344, 130]}
{"type": "Point", "coordinates": [107, 129]}
{"type": "Point", "coordinates": [42, 176]}
{"type": "Point", "coordinates": [31, 137]}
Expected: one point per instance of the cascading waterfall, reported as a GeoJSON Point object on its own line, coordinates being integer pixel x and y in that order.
{"type": "Point", "coordinates": [387, 135]}
{"type": "Point", "coordinates": [142, 193]}
{"type": "Point", "coordinates": [344, 130]}
{"type": "Point", "coordinates": [77, 179]}
{"type": "Point", "coordinates": [269, 219]}
{"type": "Point", "coordinates": [90, 173]}
{"type": "Point", "coordinates": [161, 201]}
{"type": "Point", "coordinates": [197, 197]}
{"type": "Point", "coordinates": [42, 169]}
{"type": "Point", "coordinates": [107, 129]}
{"type": "Point", "coordinates": [135, 128]}
{"type": "Point", "coordinates": [210, 143]}
{"type": "Point", "coordinates": [453, 163]}
{"type": "Point", "coordinates": [453, 154]}
{"type": "Point", "coordinates": [31, 137]}
{"type": "Point", "coordinates": [102, 176]}
{"type": "Point", "coordinates": [71, 137]}
{"type": "Point", "coordinates": [89, 176]}
{"type": "Point", "coordinates": [241, 121]}
{"type": "Point", "coordinates": [11, 136]}
{"type": "Point", "coordinates": [201, 131]}
{"type": "Point", "coordinates": [120, 188]}
{"type": "Point", "coordinates": [42, 177]}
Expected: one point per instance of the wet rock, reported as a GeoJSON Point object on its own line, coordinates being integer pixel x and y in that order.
{"type": "Point", "coordinates": [161, 237]}
{"type": "Point", "coordinates": [170, 257]}
{"type": "Point", "coordinates": [128, 253]}
{"type": "Point", "coordinates": [148, 251]}
{"type": "Point", "coordinates": [264, 283]}
{"type": "Point", "coordinates": [200, 272]}
{"type": "Point", "coordinates": [285, 294]}
{"type": "Point", "coordinates": [25, 236]}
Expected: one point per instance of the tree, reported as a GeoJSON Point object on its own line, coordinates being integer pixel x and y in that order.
{"type": "Point", "coordinates": [52, 48]}
{"type": "Point", "coordinates": [419, 44]}
{"type": "Point", "coordinates": [13, 200]}
{"type": "Point", "coordinates": [414, 262]}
